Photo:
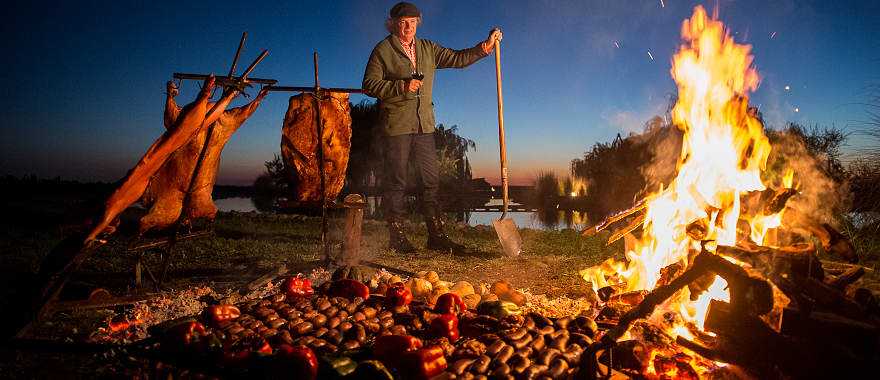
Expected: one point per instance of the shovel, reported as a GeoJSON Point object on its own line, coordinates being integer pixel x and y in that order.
{"type": "Point", "coordinates": [508, 235]}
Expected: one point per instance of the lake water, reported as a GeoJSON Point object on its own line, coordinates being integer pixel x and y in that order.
{"type": "Point", "coordinates": [540, 220]}
{"type": "Point", "coordinates": [239, 204]}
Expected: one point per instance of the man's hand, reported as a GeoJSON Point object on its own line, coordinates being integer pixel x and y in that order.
{"type": "Point", "coordinates": [171, 89]}
{"type": "Point", "coordinates": [489, 44]}
{"type": "Point", "coordinates": [413, 85]}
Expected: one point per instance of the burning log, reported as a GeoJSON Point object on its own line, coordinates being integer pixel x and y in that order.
{"type": "Point", "coordinates": [778, 201]}
{"type": "Point", "coordinates": [748, 295]}
{"type": "Point", "coordinates": [747, 341]}
{"type": "Point", "coordinates": [638, 208]}
{"type": "Point", "coordinates": [634, 224]}
{"type": "Point", "coordinates": [846, 278]}
{"type": "Point", "coordinates": [832, 240]}
{"type": "Point", "coordinates": [798, 260]}
{"type": "Point", "coordinates": [829, 298]}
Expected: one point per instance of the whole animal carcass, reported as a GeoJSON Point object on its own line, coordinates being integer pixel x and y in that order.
{"type": "Point", "coordinates": [299, 144]}
{"type": "Point", "coordinates": [167, 190]}
{"type": "Point", "coordinates": [190, 120]}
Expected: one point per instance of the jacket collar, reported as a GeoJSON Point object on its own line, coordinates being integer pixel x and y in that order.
{"type": "Point", "coordinates": [399, 47]}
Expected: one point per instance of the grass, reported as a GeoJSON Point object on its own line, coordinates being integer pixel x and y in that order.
{"type": "Point", "coordinates": [246, 245]}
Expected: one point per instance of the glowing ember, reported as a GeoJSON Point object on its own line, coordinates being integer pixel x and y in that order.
{"type": "Point", "coordinates": [724, 152]}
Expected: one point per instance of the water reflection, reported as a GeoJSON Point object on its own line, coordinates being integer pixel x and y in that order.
{"type": "Point", "coordinates": [539, 220]}
{"type": "Point", "coordinates": [240, 204]}
{"type": "Point", "coordinates": [549, 218]}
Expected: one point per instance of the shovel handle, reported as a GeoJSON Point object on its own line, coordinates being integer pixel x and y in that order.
{"type": "Point", "coordinates": [501, 145]}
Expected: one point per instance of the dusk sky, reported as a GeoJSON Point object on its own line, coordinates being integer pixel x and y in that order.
{"type": "Point", "coordinates": [85, 80]}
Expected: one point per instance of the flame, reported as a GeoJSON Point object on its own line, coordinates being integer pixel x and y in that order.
{"type": "Point", "coordinates": [724, 151]}
{"type": "Point", "coordinates": [788, 178]}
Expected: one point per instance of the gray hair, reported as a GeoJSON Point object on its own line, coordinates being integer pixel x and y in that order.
{"type": "Point", "coordinates": [391, 23]}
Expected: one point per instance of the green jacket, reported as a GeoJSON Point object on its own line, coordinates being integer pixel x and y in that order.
{"type": "Point", "coordinates": [402, 112]}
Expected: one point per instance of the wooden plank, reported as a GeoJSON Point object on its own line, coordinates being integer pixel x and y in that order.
{"type": "Point", "coordinates": [262, 280]}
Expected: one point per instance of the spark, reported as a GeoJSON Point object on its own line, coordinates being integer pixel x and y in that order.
{"type": "Point", "coordinates": [650, 55]}
{"type": "Point", "coordinates": [787, 88]}
{"type": "Point", "coordinates": [772, 35]}
{"type": "Point", "coordinates": [616, 44]}
{"type": "Point", "coordinates": [797, 109]}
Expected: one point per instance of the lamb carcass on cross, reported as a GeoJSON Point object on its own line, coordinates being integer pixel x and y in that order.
{"type": "Point", "coordinates": [167, 190]}
{"type": "Point", "coordinates": [299, 144]}
{"type": "Point", "coordinates": [191, 119]}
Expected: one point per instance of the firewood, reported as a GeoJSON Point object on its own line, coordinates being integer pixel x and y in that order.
{"type": "Point", "coordinates": [829, 298]}
{"type": "Point", "coordinates": [846, 278]}
{"type": "Point", "coordinates": [638, 207]}
{"type": "Point", "coordinates": [777, 203]}
{"type": "Point", "coordinates": [799, 260]}
{"type": "Point", "coordinates": [637, 222]}
{"type": "Point", "coordinates": [829, 328]}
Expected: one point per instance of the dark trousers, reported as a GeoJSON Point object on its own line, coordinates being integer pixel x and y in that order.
{"type": "Point", "coordinates": [420, 149]}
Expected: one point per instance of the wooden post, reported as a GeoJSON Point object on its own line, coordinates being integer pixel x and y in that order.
{"type": "Point", "coordinates": [354, 218]}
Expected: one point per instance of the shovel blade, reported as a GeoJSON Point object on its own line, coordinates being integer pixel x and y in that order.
{"type": "Point", "coordinates": [508, 235]}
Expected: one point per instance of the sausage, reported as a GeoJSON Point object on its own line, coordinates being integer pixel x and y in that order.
{"type": "Point", "coordinates": [501, 371]}
{"type": "Point", "coordinates": [504, 354]}
{"type": "Point", "coordinates": [333, 336]}
{"type": "Point", "coordinates": [460, 366]}
{"type": "Point", "coordinates": [557, 368]}
{"type": "Point", "coordinates": [538, 343]}
{"type": "Point", "coordinates": [516, 334]}
{"type": "Point", "coordinates": [518, 363]}
{"type": "Point", "coordinates": [562, 323]}
{"type": "Point", "coordinates": [534, 371]}
{"type": "Point", "coordinates": [320, 332]}
{"type": "Point", "coordinates": [481, 364]}
{"type": "Point", "coordinates": [323, 304]}
{"type": "Point", "coordinates": [560, 343]}
{"type": "Point", "coordinates": [277, 323]}
{"type": "Point", "coordinates": [369, 312]}
{"type": "Point", "coordinates": [495, 347]}
{"type": "Point", "coordinates": [351, 344]}
{"type": "Point", "coordinates": [303, 328]}
{"type": "Point", "coordinates": [319, 320]}
{"type": "Point", "coordinates": [546, 356]}
{"type": "Point", "coordinates": [333, 322]}
{"type": "Point", "coordinates": [522, 342]}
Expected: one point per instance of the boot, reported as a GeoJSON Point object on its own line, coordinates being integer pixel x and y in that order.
{"type": "Point", "coordinates": [438, 240]}
{"type": "Point", "coordinates": [397, 240]}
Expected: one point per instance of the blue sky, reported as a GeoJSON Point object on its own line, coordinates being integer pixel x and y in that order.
{"type": "Point", "coordinates": [85, 80]}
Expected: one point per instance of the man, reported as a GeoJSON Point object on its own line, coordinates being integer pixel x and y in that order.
{"type": "Point", "coordinates": [400, 73]}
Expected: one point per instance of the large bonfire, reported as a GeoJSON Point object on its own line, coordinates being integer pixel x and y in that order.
{"type": "Point", "coordinates": [723, 155]}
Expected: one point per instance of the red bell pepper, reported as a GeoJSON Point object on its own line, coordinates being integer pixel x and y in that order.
{"type": "Point", "coordinates": [422, 364]}
{"type": "Point", "coordinates": [298, 286]}
{"type": "Point", "coordinates": [388, 348]}
{"type": "Point", "coordinates": [183, 336]}
{"type": "Point", "coordinates": [298, 362]}
{"type": "Point", "coordinates": [398, 295]}
{"type": "Point", "coordinates": [349, 289]}
{"type": "Point", "coordinates": [449, 303]}
{"type": "Point", "coordinates": [218, 314]}
{"type": "Point", "coordinates": [445, 326]}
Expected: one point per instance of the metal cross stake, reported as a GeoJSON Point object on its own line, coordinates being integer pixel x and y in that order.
{"type": "Point", "coordinates": [318, 93]}
{"type": "Point", "coordinates": [230, 83]}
